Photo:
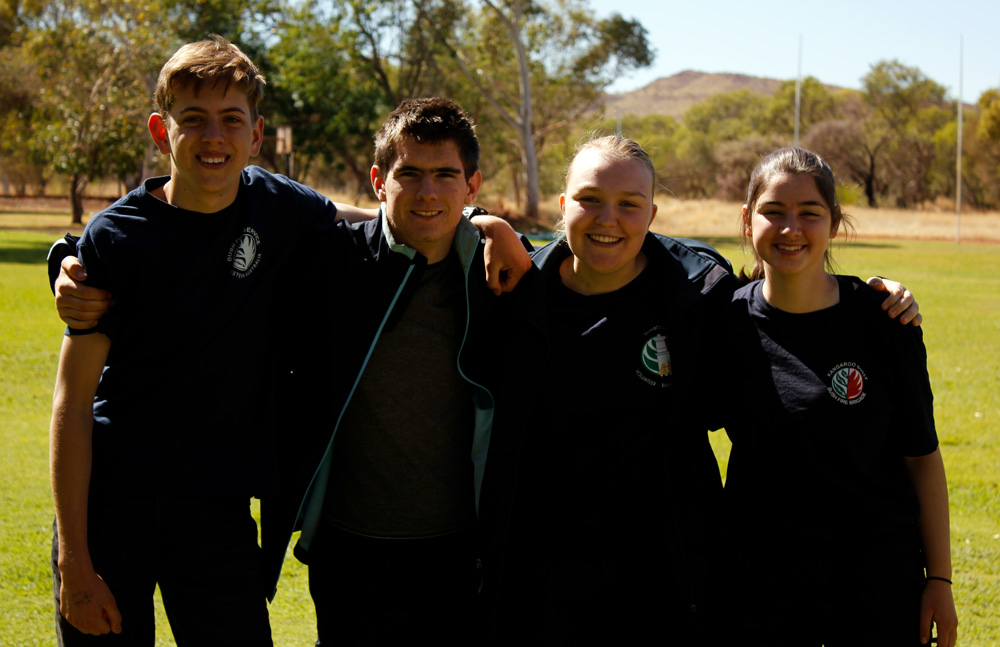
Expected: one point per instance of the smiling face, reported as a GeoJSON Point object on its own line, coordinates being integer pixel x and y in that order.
{"type": "Point", "coordinates": [424, 192]}
{"type": "Point", "coordinates": [791, 226]}
{"type": "Point", "coordinates": [607, 209]}
{"type": "Point", "coordinates": [210, 135]}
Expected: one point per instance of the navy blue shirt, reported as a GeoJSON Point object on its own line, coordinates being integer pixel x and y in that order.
{"type": "Point", "coordinates": [185, 403]}
{"type": "Point", "coordinates": [830, 404]}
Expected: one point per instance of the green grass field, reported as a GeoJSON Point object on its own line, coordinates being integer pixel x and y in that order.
{"type": "Point", "coordinates": [959, 292]}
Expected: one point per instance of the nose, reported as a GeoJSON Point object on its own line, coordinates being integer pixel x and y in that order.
{"type": "Point", "coordinates": [427, 189]}
{"type": "Point", "coordinates": [212, 131]}
{"type": "Point", "coordinates": [606, 215]}
{"type": "Point", "coordinates": [791, 224]}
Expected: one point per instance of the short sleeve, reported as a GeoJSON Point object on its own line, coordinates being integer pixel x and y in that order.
{"type": "Point", "coordinates": [94, 252]}
{"type": "Point", "coordinates": [914, 427]}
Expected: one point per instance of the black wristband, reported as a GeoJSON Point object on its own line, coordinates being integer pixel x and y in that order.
{"type": "Point", "coordinates": [939, 579]}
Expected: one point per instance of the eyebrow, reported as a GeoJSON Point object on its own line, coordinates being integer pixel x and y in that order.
{"type": "Point", "coordinates": [439, 169]}
{"type": "Point", "coordinates": [199, 109]}
{"type": "Point", "coordinates": [597, 187]}
{"type": "Point", "coordinates": [809, 203]}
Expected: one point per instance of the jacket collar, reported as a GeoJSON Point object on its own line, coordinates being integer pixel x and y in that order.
{"type": "Point", "coordinates": [465, 242]}
{"type": "Point", "coordinates": [684, 266]}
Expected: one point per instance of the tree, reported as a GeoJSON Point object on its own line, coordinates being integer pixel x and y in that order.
{"type": "Point", "coordinates": [92, 100]}
{"type": "Point", "coordinates": [736, 160]}
{"type": "Point", "coordinates": [728, 116]}
{"type": "Point", "coordinates": [816, 104]}
{"type": "Point", "coordinates": [96, 64]}
{"type": "Point", "coordinates": [19, 163]}
{"type": "Point", "coordinates": [375, 53]}
{"type": "Point", "coordinates": [709, 153]}
{"type": "Point", "coordinates": [563, 58]}
{"type": "Point", "coordinates": [905, 109]}
{"type": "Point", "coordinates": [841, 142]}
{"type": "Point", "coordinates": [989, 116]}
{"type": "Point", "coordinates": [333, 105]}
{"type": "Point", "coordinates": [981, 151]}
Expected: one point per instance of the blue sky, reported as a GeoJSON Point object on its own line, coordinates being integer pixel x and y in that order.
{"type": "Point", "coordinates": [840, 39]}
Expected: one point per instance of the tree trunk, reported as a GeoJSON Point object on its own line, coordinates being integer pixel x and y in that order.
{"type": "Point", "coordinates": [526, 122]}
{"type": "Point", "coordinates": [532, 188]}
{"type": "Point", "coordinates": [76, 198]}
{"type": "Point", "coordinates": [870, 182]}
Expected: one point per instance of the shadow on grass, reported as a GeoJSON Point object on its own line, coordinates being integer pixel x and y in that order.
{"type": "Point", "coordinates": [873, 244]}
{"type": "Point", "coordinates": [57, 213]}
{"type": "Point", "coordinates": [715, 241]}
{"type": "Point", "coordinates": [25, 253]}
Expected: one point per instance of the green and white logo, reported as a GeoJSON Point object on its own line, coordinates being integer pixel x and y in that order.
{"type": "Point", "coordinates": [656, 356]}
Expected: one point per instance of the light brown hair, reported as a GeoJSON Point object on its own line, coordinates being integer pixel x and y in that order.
{"type": "Point", "coordinates": [211, 61]}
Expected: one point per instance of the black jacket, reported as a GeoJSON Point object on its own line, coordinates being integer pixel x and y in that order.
{"type": "Point", "coordinates": [347, 289]}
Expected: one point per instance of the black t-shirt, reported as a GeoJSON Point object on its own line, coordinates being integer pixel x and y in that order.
{"type": "Point", "coordinates": [598, 451]}
{"type": "Point", "coordinates": [185, 404]}
{"type": "Point", "coordinates": [831, 402]}
{"type": "Point", "coordinates": [401, 465]}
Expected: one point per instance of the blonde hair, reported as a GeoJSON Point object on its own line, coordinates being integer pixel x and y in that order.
{"type": "Point", "coordinates": [614, 148]}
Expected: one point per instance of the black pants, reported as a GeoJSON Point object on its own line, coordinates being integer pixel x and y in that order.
{"type": "Point", "coordinates": [857, 592]}
{"type": "Point", "coordinates": [605, 596]}
{"type": "Point", "coordinates": [203, 553]}
{"type": "Point", "coordinates": [370, 591]}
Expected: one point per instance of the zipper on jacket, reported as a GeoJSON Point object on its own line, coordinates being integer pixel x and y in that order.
{"type": "Point", "coordinates": [310, 514]}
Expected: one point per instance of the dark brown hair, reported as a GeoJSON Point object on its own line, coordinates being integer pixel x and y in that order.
{"type": "Point", "coordinates": [790, 161]}
{"type": "Point", "coordinates": [428, 121]}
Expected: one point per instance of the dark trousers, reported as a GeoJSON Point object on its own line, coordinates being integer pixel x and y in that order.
{"type": "Point", "coordinates": [606, 596]}
{"type": "Point", "coordinates": [201, 550]}
{"type": "Point", "coordinates": [370, 591]}
{"type": "Point", "coordinates": [857, 592]}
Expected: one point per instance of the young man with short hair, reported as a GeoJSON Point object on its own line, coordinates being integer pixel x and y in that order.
{"type": "Point", "coordinates": [159, 440]}
{"type": "Point", "coordinates": [389, 517]}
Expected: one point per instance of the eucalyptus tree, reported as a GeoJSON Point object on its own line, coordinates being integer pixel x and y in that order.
{"type": "Point", "coordinates": [540, 65]}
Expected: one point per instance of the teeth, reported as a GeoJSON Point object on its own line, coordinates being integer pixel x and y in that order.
{"type": "Point", "coordinates": [790, 248]}
{"type": "Point", "coordinates": [425, 213]}
{"type": "Point", "coordinates": [213, 160]}
{"type": "Point", "coordinates": [604, 239]}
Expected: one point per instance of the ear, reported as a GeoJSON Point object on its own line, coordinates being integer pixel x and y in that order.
{"type": "Point", "coordinates": [652, 217]}
{"type": "Point", "coordinates": [258, 136]}
{"type": "Point", "coordinates": [378, 183]}
{"type": "Point", "coordinates": [158, 131]}
{"type": "Point", "coordinates": [835, 228]}
{"type": "Point", "coordinates": [747, 228]}
{"type": "Point", "coordinates": [472, 187]}
{"type": "Point", "coordinates": [562, 204]}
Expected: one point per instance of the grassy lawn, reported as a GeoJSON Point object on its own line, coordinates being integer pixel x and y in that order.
{"type": "Point", "coordinates": [959, 292]}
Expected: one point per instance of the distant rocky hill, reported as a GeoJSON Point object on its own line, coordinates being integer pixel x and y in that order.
{"type": "Point", "coordinates": [675, 94]}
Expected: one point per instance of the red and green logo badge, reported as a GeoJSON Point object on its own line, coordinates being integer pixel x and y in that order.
{"type": "Point", "coordinates": [847, 383]}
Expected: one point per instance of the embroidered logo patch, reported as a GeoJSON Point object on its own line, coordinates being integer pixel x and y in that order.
{"type": "Point", "coordinates": [656, 367]}
{"type": "Point", "coordinates": [847, 383]}
{"type": "Point", "coordinates": [244, 253]}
